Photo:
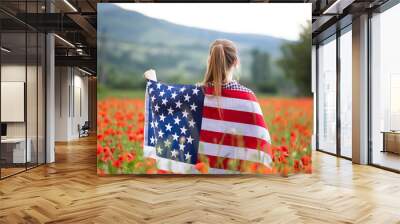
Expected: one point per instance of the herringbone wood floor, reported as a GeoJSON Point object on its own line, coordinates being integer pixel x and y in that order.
{"type": "Point", "coordinates": [70, 192]}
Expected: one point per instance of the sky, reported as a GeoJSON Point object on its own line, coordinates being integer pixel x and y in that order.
{"type": "Point", "coordinates": [282, 20]}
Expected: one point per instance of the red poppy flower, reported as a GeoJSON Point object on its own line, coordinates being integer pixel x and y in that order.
{"type": "Point", "coordinates": [201, 167]}
{"type": "Point", "coordinates": [99, 149]}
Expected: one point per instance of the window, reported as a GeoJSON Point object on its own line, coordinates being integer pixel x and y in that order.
{"type": "Point", "coordinates": [346, 93]}
{"type": "Point", "coordinates": [13, 147]}
{"type": "Point", "coordinates": [327, 95]}
{"type": "Point", "coordinates": [385, 89]}
{"type": "Point", "coordinates": [22, 77]}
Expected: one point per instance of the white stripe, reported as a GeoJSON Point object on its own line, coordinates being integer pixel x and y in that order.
{"type": "Point", "coordinates": [232, 104]}
{"type": "Point", "coordinates": [146, 117]}
{"type": "Point", "coordinates": [234, 152]}
{"type": "Point", "coordinates": [235, 128]}
{"type": "Point", "coordinates": [179, 167]}
{"type": "Point", "coordinates": [149, 151]}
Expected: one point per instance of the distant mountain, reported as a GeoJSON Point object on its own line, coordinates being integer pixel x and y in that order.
{"type": "Point", "coordinates": [130, 42]}
{"type": "Point", "coordinates": [131, 26]}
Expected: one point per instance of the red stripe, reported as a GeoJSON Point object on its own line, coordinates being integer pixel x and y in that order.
{"type": "Point", "coordinates": [224, 163]}
{"type": "Point", "coordinates": [233, 116]}
{"type": "Point", "coordinates": [232, 94]}
{"type": "Point", "coordinates": [234, 140]}
{"type": "Point", "coordinates": [160, 171]}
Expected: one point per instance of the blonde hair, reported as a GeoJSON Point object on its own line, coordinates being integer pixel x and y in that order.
{"type": "Point", "coordinates": [223, 55]}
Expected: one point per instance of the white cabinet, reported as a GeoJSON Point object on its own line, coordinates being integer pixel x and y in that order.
{"type": "Point", "coordinates": [17, 146]}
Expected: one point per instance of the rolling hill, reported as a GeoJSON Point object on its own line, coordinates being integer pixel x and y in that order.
{"type": "Point", "coordinates": [130, 42]}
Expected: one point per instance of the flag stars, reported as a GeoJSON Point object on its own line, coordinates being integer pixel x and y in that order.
{"type": "Point", "coordinates": [174, 153]}
{"type": "Point", "coordinates": [162, 117]}
{"type": "Point", "coordinates": [173, 108]}
{"type": "Point", "coordinates": [156, 107]}
{"type": "Point", "coordinates": [185, 114]}
{"type": "Point", "coordinates": [160, 134]}
{"type": "Point", "coordinates": [188, 156]}
{"type": "Point", "coordinates": [192, 123]}
{"type": "Point", "coordinates": [183, 130]}
{"type": "Point", "coordinates": [190, 139]}
{"type": "Point", "coordinates": [178, 104]}
{"type": "Point", "coordinates": [175, 137]}
{"type": "Point", "coordinates": [159, 150]}
{"type": "Point", "coordinates": [195, 91]}
{"type": "Point", "coordinates": [167, 143]}
{"type": "Point", "coordinates": [193, 107]}
{"type": "Point", "coordinates": [187, 97]}
{"type": "Point", "coordinates": [170, 110]}
{"type": "Point", "coordinates": [177, 120]}
{"type": "Point", "coordinates": [168, 127]}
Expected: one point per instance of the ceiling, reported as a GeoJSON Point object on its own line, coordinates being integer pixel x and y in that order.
{"type": "Point", "coordinates": [331, 15]}
{"type": "Point", "coordinates": [75, 22]}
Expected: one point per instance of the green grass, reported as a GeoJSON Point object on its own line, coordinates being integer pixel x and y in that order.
{"type": "Point", "coordinates": [103, 93]}
{"type": "Point", "coordinates": [121, 94]}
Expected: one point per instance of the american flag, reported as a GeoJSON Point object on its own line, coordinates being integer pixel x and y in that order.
{"type": "Point", "coordinates": [187, 123]}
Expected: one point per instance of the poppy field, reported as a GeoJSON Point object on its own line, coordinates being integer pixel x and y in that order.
{"type": "Point", "coordinates": [120, 134]}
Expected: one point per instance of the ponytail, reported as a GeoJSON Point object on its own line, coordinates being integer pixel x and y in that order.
{"type": "Point", "coordinates": [223, 55]}
{"type": "Point", "coordinates": [217, 68]}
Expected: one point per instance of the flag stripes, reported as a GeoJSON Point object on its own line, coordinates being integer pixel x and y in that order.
{"type": "Point", "coordinates": [178, 167]}
{"type": "Point", "coordinates": [235, 128]}
{"type": "Point", "coordinates": [234, 116]}
{"type": "Point", "coordinates": [232, 94]}
{"type": "Point", "coordinates": [186, 123]}
{"type": "Point", "coordinates": [232, 104]}
{"type": "Point", "coordinates": [234, 152]}
{"type": "Point", "coordinates": [216, 162]}
{"type": "Point", "coordinates": [233, 140]}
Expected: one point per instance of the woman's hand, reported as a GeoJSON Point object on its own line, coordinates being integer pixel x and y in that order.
{"type": "Point", "coordinates": [151, 75]}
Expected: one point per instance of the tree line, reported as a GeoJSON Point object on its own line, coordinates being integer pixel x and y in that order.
{"type": "Point", "coordinates": [295, 64]}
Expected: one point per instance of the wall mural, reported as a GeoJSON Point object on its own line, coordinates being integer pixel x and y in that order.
{"type": "Point", "coordinates": [204, 89]}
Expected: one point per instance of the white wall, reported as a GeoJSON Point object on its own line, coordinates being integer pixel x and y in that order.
{"type": "Point", "coordinates": [50, 93]}
{"type": "Point", "coordinates": [62, 81]}
{"type": "Point", "coordinates": [33, 126]}
{"type": "Point", "coordinates": [70, 83]}
{"type": "Point", "coordinates": [13, 101]}
{"type": "Point", "coordinates": [80, 83]}
{"type": "Point", "coordinates": [12, 73]}
{"type": "Point", "coordinates": [360, 89]}
{"type": "Point", "coordinates": [16, 73]}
